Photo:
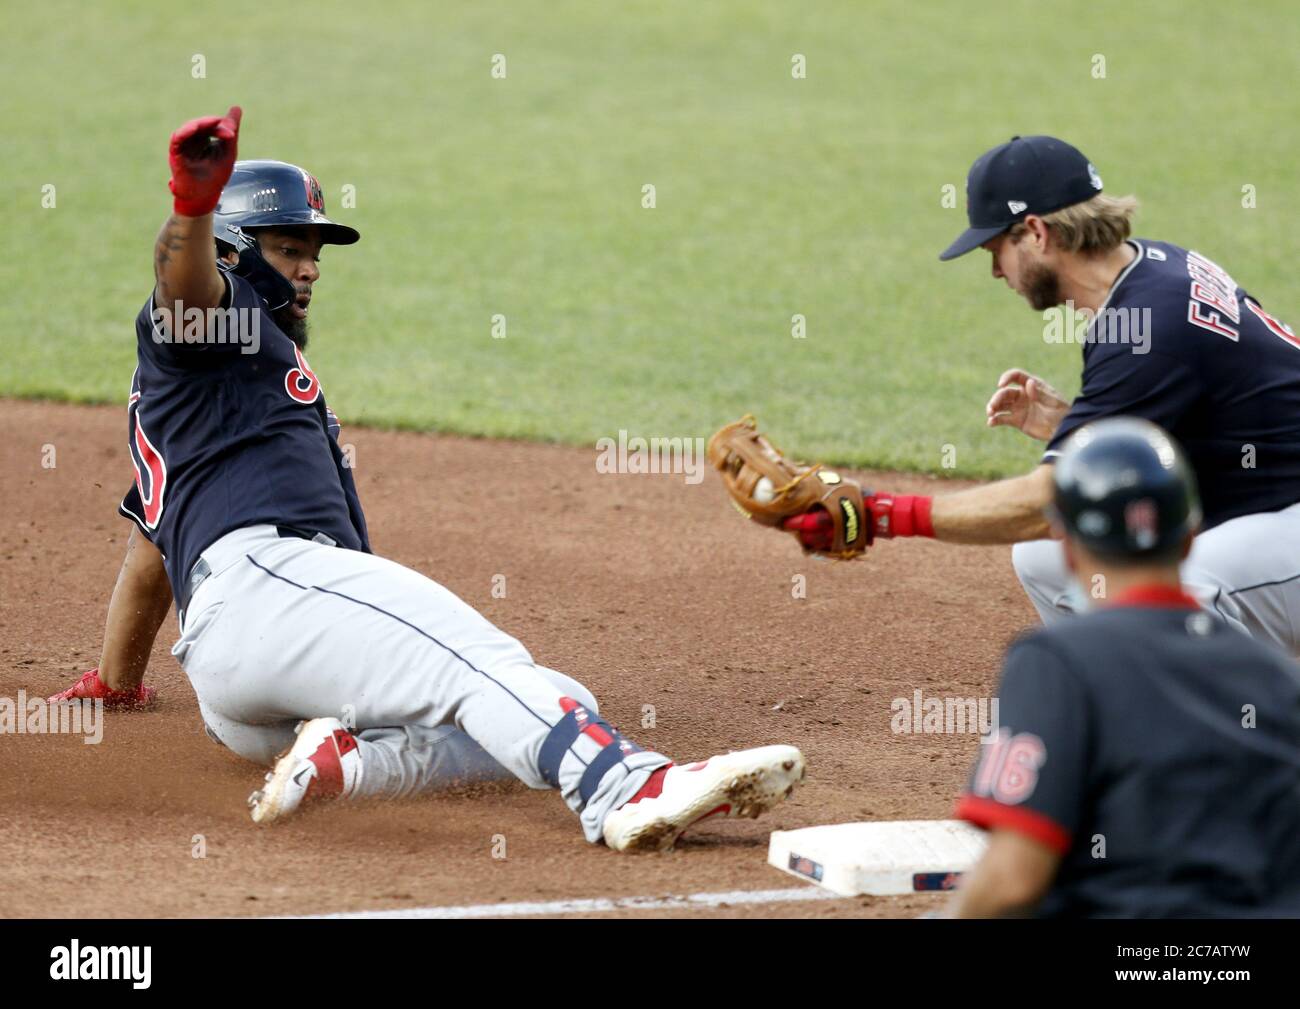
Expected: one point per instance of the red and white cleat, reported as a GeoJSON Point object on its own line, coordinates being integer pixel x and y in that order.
{"type": "Point", "coordinates": [323, 763]}
{"type": "Point", "coordinates": [744, 783]}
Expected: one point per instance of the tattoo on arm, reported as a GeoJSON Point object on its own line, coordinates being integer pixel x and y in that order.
{"type": "Point", "coordinates": [185, 264]}
{"type": "Point", "coordinates": [170, 242]}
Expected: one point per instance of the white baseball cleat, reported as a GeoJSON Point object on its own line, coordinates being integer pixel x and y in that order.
{"type": "Point", "coordinates": [324, 762]}
{"type": "Point", "coordinates": [744, 783]}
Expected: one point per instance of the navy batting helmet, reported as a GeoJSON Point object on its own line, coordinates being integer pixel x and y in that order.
{"type": "Point", "coordinates": [270, 194]}
{"type": "Point", "coordinates": [1124, 490]}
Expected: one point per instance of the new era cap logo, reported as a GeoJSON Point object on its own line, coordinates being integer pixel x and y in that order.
{"type": "Point", "coordinates": [1093, 177]}
{"type": "Point", "coordinates": [1016, 207]}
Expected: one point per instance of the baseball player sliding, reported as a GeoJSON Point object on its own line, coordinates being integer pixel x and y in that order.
{"type": "Point", "coordinates": [246, 515]}
{"type": "Point", "coordinates": [1170, 337]}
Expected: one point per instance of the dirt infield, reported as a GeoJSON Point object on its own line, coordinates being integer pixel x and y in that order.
{"type": "Point", "coordinates": [649, 590]}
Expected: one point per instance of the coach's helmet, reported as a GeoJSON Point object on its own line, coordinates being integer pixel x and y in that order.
{"type": "Point", "coordinates": [1124, 490]}
{"type": "Point", "coordinates": [266, 194]}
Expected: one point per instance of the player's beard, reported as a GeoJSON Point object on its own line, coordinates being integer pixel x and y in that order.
{"type": "Point", "coordinates": [1042, 287]}
{"type": "Point", "coordinates": [292, 327]}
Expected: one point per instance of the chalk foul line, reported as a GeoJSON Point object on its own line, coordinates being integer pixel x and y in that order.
{"type": "Point", "coordinates": [598, 905]}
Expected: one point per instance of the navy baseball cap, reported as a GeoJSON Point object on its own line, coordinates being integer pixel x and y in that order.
{"type": "Point", "coordinates": [1026, 175]}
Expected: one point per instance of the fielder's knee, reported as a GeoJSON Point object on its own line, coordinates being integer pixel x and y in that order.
{"type": "Point", "coordinates": [1040, 566]}
{"type": "Point", "coordinates": [1030, 561]}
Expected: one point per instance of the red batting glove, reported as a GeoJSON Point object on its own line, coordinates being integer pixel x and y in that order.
{"type": "Point", "coordinates": [202, 156]}
{"type": "Point", "coordinates": [91, 687]}
{"type": "Point", "coordinates": [891, 515]}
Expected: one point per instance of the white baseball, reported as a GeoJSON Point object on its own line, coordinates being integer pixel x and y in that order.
{"type": "Point", "coordinates": [764, 491]}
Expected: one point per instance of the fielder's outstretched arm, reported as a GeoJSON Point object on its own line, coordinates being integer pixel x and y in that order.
{"type": "Point", "coordinates": [141, 599]}
{"type": "Point", "coordinates": [835, 517]}
{"type": "Point", "coordinates": [1009, 511]}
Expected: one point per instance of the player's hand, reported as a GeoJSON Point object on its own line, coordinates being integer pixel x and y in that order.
{"type": "Point", "coordinates": [91, 687]}
{"type": "Point", "coordinates": [1026, 402]}
{"type": "Point", "coordinates": [202, 156]}
{"type": "Point", "coordinates": [814, 529]}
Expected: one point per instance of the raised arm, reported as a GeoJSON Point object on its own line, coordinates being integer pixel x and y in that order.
{"type": "Point", "coordinates": [202, 156]}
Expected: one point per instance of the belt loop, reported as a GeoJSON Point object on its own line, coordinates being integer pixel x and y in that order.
{"type": "Point", "coordinates": [289, 532]}
{"type": "Point", "coordinates": [201, 570]}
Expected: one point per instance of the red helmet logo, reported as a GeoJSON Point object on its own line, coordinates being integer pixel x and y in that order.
{"type": "Point", "coordinates": [1142, 522]}
{"type": "Point", "coordinates": [315, 199]}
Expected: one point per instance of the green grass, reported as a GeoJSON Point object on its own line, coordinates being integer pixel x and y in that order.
{"type": "Point", "coordinates": [522, 197]}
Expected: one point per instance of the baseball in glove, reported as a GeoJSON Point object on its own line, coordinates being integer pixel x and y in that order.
{"type": "Point", "coordinates": [769, 488]}
{"type": "Point", "coordinates": [830, 515]}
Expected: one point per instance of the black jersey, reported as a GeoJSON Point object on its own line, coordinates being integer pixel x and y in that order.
{"type": "Point", "coordinates": [232, 434]}
{"type": "Point", "coordinates": [1180, 343]}
{"type": "Point", "coordinates": [1158, 751]}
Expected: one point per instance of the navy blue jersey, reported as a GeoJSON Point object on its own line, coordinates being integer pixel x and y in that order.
{"type": "Point", "coordinates": [222, 439]}
{"type": "Point", "coordinates": [1179, 343]}
{"type": "Point", "coordinates": [1158, 752]}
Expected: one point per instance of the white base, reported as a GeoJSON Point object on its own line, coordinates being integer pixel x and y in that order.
{"type": "Point", "coordinates": [888, 857]}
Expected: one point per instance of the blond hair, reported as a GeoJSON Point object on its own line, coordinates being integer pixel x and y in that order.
{"type": "Point", "coordinates": [1092, 227]}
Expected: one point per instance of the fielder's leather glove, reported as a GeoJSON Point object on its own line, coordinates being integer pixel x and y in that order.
{"type": "Point", "coordinates": [774, 491]}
